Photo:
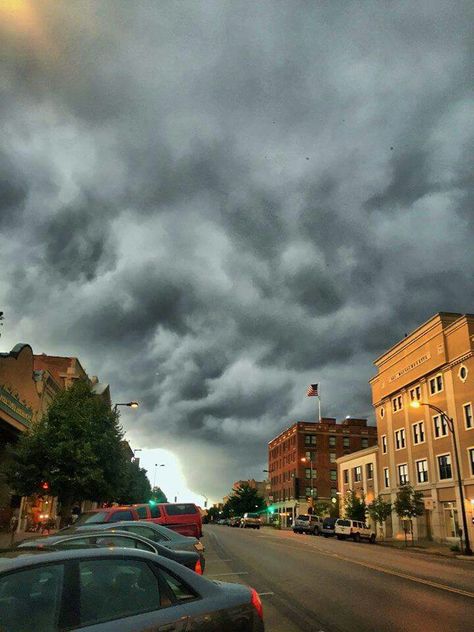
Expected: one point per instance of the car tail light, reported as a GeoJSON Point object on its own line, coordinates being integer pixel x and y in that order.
{"type": "Point", "coordinates": [198, 567]}
{"type": "Point", "coordinates": [256, 602]}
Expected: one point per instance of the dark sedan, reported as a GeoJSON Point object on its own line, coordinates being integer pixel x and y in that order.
{"type": "Point", "coordinates": [190, 559]}
{"type": "Point", "coordinates": [117, 590]}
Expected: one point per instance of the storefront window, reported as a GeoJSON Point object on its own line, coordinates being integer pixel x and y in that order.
{"type": "Point", "coordinates": [451, 522]}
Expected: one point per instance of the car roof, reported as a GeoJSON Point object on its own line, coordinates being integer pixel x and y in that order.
{"type": "Point", "coordinates": [174, 535]}
{"type": "Point", "coordinates": [50, 539]}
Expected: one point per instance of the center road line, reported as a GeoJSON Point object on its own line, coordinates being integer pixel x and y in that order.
{"type": "Point", "coordinates": [227, 574]}
{"type": "Point", "coordinates": [380, 569]}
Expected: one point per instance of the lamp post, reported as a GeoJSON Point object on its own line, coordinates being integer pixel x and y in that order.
{"type": "Point", "coordinates": [132, 404]}
{"type": "Point", "coordinates": [154, 472]}
{"type": "Point", "coordinates": [450, 424]}
{"type": "Point", "coordinates": [305, 460]}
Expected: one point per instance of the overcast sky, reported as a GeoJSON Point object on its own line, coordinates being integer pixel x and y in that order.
{"type": "Point", "coordinates": [213, 204]}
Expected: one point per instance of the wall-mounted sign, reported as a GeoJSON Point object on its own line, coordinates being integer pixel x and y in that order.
{"type": "Point", "coordinates": [13, 407]}
{"type": "Point", "coordinates": [410, 367]}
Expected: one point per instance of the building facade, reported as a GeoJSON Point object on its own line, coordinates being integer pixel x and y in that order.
{"type": "Point", "coordinates": [302, 462]}
{"type": "Point", "coordinates": [433, 366]}
{"type": "Point", "coordinates": [359, 472]}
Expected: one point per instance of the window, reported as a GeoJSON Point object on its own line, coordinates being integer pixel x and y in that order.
{"type": "Point", "coordinates": [117, 540]}
{"type": "Point", "coordinates": [307, 491]}
{"type": "Point", "coordinates": [111, 588]}
{"type": "Point", "coordinates": [462, 373]}
{"type": "Point", "coordinates": [471, 459]}
{"type": "Point", "coordinates": [142, 512]}
{"type": "Point", "coordinates": [307, 472]}
{"type": "Point", "coordinates": [117, 516]}
{"type": "Point", "coordinates": [181, 591]}
{"type": "Point", "coordinates": [467, 408]}
{"type": "Point", "coordinates": [364, 442]}
{"type": "Point", "coordinates": [308, 455]}
{"type": "Point", "coordinates": [369, 470]}
{"type": "Point", "coordinates": [146, 532]}
{"type": "Point", "coordinates": [346, 442]}
{"type": "Point", "coordinates": [436, 384]}
{"type": "Point", "coordinates": [332, 442]}
{"type": "Point", "coordinates": [181, 510]}
{"type": "Point", "coordinates": [346, 476]}
{"type": "Point", "coordinates": [400, 439]}
{"type": "Point", "coordinates": [384, 444]}
{"type": "Point", "coordinates": [34, 593]}
{"type": "Point", "coordinates": [382, 412]}
{"type": "Point", "coordinates": [422, 471]}
{"type": "Point", "coordinates": [403, 474]}
{"type": "Point", "coordinates": [440, 426]}
{"type": "Point", "coordinates": [418, 432]}
{"type": "Point", "coordinates": [333, 475]}
{"type": "Point", "coordinates": [386, 477]}
{"type": "Point", "coordinates": [310, 439]}
{"type": "Point", "coordinates": [357, 473]}
{"type": "Point", "coordinates": [397, 403]}
{"type": "Point", "coordinates": [444, 465]}
{"type": "Point", "coordinates": [332, 457]}
{"type": "Point", "coordinates": [415, 394]}
{"type": "Point", "coordinates": [333, 492]}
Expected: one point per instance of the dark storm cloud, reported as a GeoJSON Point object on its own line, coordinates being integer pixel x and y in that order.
{"type": "Point", "coordinates": [213, 204]}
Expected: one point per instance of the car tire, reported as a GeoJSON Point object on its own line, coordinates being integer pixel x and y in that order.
{"type": "Point", "coordinates": [326, 535]}
{"type": "Point", "coordinates": [258, 527]}
{"type": "Point", "coordinates": [339, 537]}
{"type": "Point", "coordinates": [356, 537]}
{"type": "Point", "coordinates": [372, 538]}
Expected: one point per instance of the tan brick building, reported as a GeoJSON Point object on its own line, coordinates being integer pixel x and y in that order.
{"type": "Point", "coordinates": [358, 472]}
{"type": "Point", "coordinates": [433, 365]}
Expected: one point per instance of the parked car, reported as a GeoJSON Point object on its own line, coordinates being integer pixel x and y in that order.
{"type": "Point", "coordinates": [234, 522]}
{"type": "Point", "coordinates": [354, 529]}
{"type": "Point", "coordinates": [328, 528]}
{"type": "Point", "coordinates": [185, 518]}
{"type": "Point", "coordinates": [123, 590]}
{"type": "Point", "coordinates": [115, 537]}
{"type": "Point", "coordinates": [155, 532]}
{"type": "Point", "coordinates": [305, 523]}
{"type": "Point", "coordinates": [250, 521]}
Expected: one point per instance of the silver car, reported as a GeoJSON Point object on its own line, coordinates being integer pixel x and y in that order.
{"type": "Point", "coordinates": [117, 590]}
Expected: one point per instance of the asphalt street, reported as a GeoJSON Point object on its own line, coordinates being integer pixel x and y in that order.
{"type": "Point", "coordinates": [317, 584]}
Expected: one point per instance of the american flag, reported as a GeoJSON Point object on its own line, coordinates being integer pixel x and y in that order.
{"type": "Point", "coordinates": [313, 391]}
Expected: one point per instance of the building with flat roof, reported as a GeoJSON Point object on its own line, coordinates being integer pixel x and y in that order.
{"type": "Point", "coordinates": [302, 461]}
{"type": "Point", "coordinates": [432, 366]}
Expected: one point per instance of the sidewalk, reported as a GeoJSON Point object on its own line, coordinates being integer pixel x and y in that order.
{"type": "Point", "coordinates": [5, 537]}
{"type": "Point", "coordinates": [426, 548]}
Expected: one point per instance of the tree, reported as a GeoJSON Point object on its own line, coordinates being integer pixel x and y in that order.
{"type": "Point", "coordinates": [355, 506]}
{"type": "Point", "coordinates": [244, 499]}
{"type": "Point", "coordinates": [75, 449]}
{"type": "Point", "coordinates": [134, 484]}
{"type": "Point", "coordinates": [320, 508]}
{"type": "Point", "coordinates": [158, 495]}
{"type": "Point", "coordinates": [408, 505]}
{"type": "Point", "coordinates": [335, 508]}
{"type": "Point", "coordinates": [379, 510]}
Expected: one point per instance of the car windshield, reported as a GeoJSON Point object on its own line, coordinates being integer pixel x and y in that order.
{"type": "Point", "coordinates": [92, 517]}
{"type": "Point", "coordinates": [303, 518]}
{"type": "Point", "coordinates": [178, 510]}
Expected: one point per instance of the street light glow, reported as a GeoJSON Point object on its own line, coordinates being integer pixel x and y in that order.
{"type": "Point", "coordinates": [133, 404]}
{"type": "Point", "coordinates": [415, 404]}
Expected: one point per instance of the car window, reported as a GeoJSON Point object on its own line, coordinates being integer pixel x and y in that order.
{"type": "Point", "coordinates": [179, 510]}
{"type": "Point", "coordinates": [116, 540]}
{"type": "Point", "coordinates": [34, 592]}
{"type": "Point", "coordinates": [121, 515]}
{"type": "Point", "coordinates": [180, 590]}
{"type": "Point", "coordinates": [344, 523]}
{"type": "Point", "coordinates": [142, 512]}
{"type": "Point", "coordinates": [113, 588]}
{"type": "Point", "coordinates": [147, 532]}
{"type": "Point", "coordinates": [155, 511]}
{"type": "Point", "coordinates": [75, 541]}
{"type": "Point", "coordinates": [90, 518]}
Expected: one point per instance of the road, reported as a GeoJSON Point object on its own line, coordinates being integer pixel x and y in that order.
{"type": "Point", "coordinates": [317, 584]}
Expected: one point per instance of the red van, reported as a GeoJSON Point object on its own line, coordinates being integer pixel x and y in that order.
{"type": "Point", "coordinates": [184, 518]}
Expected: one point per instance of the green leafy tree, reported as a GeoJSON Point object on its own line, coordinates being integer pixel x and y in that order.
{"type": "Point", "coordinates": [355, 506]}
{"type": "Point", "coordinates": [380, 510]}
{"type": "Point", "coordinates": [75, 448]}
{"type": "Point", "coordinates": [158, 495]}
{"type": "Point", "coordinates": [408, 505]}
{"type": "Point", "coordinates": [134, 484]}
{"type": "Point", "coordinates": [320, 508]}
{"type": "Point", "coordinates": [244, 499]}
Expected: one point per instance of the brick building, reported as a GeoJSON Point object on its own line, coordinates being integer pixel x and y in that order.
{"type": "Point", "coordinates": [295, 481]}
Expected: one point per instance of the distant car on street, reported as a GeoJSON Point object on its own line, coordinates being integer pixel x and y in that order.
{"type": "Point", "coordinates": [305, 523]}
{"type": "Point", "coordinates": [328, 528]}
{"type": "Point", "coordinates": [234, 522]}
{"type": "Point", "coordinates": [354, 529]}
{"type": "Point", "coordinates": [250, 521]}
{"type": "Point", "coordinates": [114, 537]}
{"type": "Point", "coordinates": [117, 589]}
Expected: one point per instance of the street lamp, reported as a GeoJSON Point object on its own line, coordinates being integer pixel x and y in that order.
{"type": "Point", "coordinates": [305, 460]}
{"type": "Point", "coordinates": [132, 404]}
{"type": "Point", "coordinates": [450, 424]}
{"type": "Point", "coordinates": [154, 472]}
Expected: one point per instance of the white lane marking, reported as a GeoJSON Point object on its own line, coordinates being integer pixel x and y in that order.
{"type": "Point", "coordinates": [264, 594]}
{"type": "Point", "coordinates": [226, 574]}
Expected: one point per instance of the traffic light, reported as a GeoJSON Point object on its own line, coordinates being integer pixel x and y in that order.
{"type": "Point", "coordinates": [45, 486]}
{"type": "Point", "coordinates": [152, 502]}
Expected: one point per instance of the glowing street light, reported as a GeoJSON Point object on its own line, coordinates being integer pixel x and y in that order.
{"type": "Point", "coordinates": [450, 425]}
{"type": "Point", "coordinates": [132, 404]}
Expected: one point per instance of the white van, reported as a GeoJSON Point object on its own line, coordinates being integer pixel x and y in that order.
{"type": "Point", "coordinates": [346, 528]}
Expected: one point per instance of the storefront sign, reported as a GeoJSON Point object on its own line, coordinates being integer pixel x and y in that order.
{"type": "Point", "coordinates": [13, 407]}
{"type": "Point", "coordinates": [410, 367]}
